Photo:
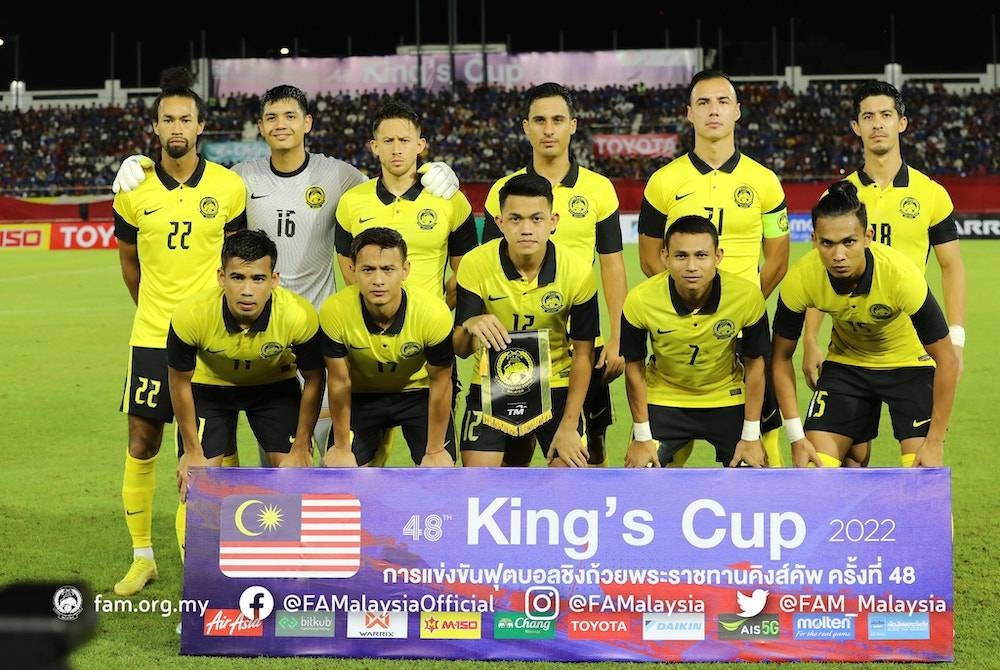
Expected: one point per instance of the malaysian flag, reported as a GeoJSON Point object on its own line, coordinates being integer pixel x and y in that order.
{"type": "Point", "coordinates": [312, 535]}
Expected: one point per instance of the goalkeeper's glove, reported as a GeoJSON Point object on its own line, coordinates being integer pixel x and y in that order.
{"type": "Point", "coordinates": [131, 173]}
{"type": "Point", "coordinates": [439, 179]}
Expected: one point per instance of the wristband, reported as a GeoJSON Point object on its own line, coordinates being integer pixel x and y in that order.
{"type": "Point", "coordinates": [641, 432]}
{"type": "Point", "coordinates": [793, 429]}
{"type": "Point", "coordinates": [751, 431]}
{"type": "Point", "coordinates": [957, 335]}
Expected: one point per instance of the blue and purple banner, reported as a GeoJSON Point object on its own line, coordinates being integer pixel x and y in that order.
{"type": "Point", "coordinates": [571, 564]}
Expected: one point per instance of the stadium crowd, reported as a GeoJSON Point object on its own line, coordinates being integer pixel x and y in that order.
{"type": "Point", "coordinates": [77, 149]}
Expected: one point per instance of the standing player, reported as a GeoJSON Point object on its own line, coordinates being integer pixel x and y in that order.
{"type": "Point", "coordinates": [906, 210]}
{"type": "Point", "coordinates": [524, 281]}
{"type": "Point", "coordinates": [244, 357]}
{"type": "Point", "coordinates": [889, 343]}
{"type": "Point", "coordinates": [293, 196]}
{"type": "Point", "coordinates": [693, 385]}
{"type": "Point", "coordinates": [587, 207]}
{"type": "Point", "coordinates": [170, 231]}
{"type": "Point", "coordinates": [740, 196]}
{"type": "Point", "coordinates": [389, 356]}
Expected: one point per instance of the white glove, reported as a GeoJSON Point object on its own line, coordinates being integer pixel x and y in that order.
{"type": "Point", "coordinates": [439, 179]}
{"type": "Point", "coordinates": [131, 173]}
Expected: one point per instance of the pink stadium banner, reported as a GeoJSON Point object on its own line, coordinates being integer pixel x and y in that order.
{"type": "Point", "coordinates": [654, 145]}
{"type": "Point", "coordinates": [578, 69]}
{"type": "Point", "coordinates": [536, 564]}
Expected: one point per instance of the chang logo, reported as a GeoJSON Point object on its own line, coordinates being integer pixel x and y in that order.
{"type": "Point", "coordinates": [743, 196]}
{"type": "Point", "coordinates": [909, 207]}
{"type": "Point", "coordinates": [880, 312]}
{"type": "Point", "coordinates": [724, 330]}
{"type": "Point", "coordinates": [552, 302]}
{"type": "Point", "coordinates": [514, 370]}
{"type": "Point", "coordinates": [208, 207]}
{"type": "Point", "coordinates": [578, 207]}
{"type": "Point", "coordinates": [315, 197]}
{"type": "Point", "coordinates": [409, 350]}
{"type": "Point", "coordinates": [270, 350]}
{"type": "Point", "coordinates": [427, 219]}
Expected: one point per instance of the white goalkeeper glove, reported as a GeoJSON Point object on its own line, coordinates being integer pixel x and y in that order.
{"type": "Point", "coordinates": [439, 179]}
{"type": "Point", "coordinates": [131, 173]}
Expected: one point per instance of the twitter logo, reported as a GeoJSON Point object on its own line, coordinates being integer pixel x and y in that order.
{"type": "Point", "coordinates": [752, 605]}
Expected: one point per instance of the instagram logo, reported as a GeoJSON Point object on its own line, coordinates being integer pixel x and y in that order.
{"type": "Point", "coordinates": [541, 603]}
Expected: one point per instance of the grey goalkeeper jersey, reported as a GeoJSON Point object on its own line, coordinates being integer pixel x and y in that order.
{"type": "Point", "coordinates": [297, 211]}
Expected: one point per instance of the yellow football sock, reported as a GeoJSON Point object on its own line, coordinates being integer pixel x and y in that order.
{"type": "Point", "coordinates": [382, 453]}
{"type": "Point", "coordinates": [138, 485]}
{"type": "Point", "coordinates": [827, 460]}
{"type": "Point", "coordinates": [907, 460]}
{"type": "Point", "coordinates": [232, 460]}
{"type": "Point", "coordinates": [682, 456]}
{"type": "Point", "coordinates": [180, 525]}
{"type": "Point", "coordinates": [772, 448]}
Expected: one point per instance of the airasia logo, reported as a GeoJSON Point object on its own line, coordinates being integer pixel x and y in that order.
{"type": "Point", "coordinates": [231, 623]}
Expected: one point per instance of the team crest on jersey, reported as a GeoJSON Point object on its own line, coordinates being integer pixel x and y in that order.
{"type": "Point", "coordinates": [409, 350]}
{"type": "Point", "coordinates": [427, 219]}
{"type": "Point", "coordinates": [514, 370]}
{"type": "Point", "coordinates": [315, 197]}
{"type": "Point", "coordinates": [270, 350]}
{"type": "Point", "coordinates": [724, 329]}
{"type": "Point", "coordinates": [909, 207]}
{"type": "Point", "coordinates": [880, 312]}
{"type": "Point", "coordinates": [208, 207]}
{"type": "Point", "coordinates": [743, 196]}
{"type": "Point", "coordinates": [783, 222]}
{"type": "Point", "coordinates": [552, 302]}
{"type": "Point", "coordinates": [578, 207]}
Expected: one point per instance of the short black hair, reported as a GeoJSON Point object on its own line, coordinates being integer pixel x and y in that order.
{"type": "Point", "coordinates": [710, 74]}
{"type": "Point", "coordinates": [872, 88]}
{"type": "Point", "coordinates": [381, 237]}
{"type": "Point", "coordinates": [526, 184]}
{"type": "Point", "coordinates": [395, 109]}
{"type": "Point", "coordinates": [249, 245]}
{"type": "Point", "coordinates": [840, 199]}
{"type": "Point", "coordinates": [284, 92]}
{"type": "Point", "coordinates": [549, 89]}
{"type": "Point", "coordinates": [692, 224]}
{"type": "Point", "coordinates": [177, 82]}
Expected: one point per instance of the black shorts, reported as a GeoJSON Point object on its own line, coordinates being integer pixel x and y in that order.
{"type": "Point", "coordinates": [477, 437]}
{"type": "Point", "coordinates": [272, 411]}
{"type": "Point", "coordinates": [374, 414]}
{"type": "Point", "coordinates": [848, 401]}
{"type": "Point", "coordinates": [770, 416]}
{"type": "Point", "coordinates": [675, 427]}
{"type": "Point", "coordinates": [147, 391]}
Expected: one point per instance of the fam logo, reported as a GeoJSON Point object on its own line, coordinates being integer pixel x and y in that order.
{"type": "Point", "coordinates": [270, 350]}
{"type": "Point", "coordinates": [909, 207]}
{"type": "Point", "coordinates": [749, 623]}
{"type": "Point", "coordinates": [578, 207]}
{"type": "Point", "coordinates": [67, 603]}
{"type": "Point", "coordinates": [315, 197]}
{"type": "Point", "coordinates": [783, 222]}
{"type": "Point", "coordinates": [377, 624]}
{"type": "Point", "coordinates": [409, 349]}
{"type": "Point", "coordinates": [515, 370]}
{"type": "Point", "coordinates": [208, 207]}
{"type": "Point", "coordinates": [552, 302]}
{"type": "Point", "coordinates": [743, 196]}
{"type": "Point", "coordinates": [724, 329]}
{"type": "Point", "coordinates": [427, 219]}
{"type": "Point", "coordinates": [880, 312]}
{"type": "Point", "coordinates": [451, 625]}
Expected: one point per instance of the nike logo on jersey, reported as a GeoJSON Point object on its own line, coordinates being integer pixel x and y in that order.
{"type": "Point", "coordinates": [681, 197]}
{"type": "Point", "coordinates": [147, 212]}
{"type": "Point", "coordinates": [664, 332]}
{"type": "Point", "coordinates": [215, 351]}
{"type": "Point", "coordinates": [357, 348]}
{"type": "Point", "coordinates": [254, 196]}
{"type": "Point", "coordinates": [917, 424]}
{"type": "Point", "coordinates": [365, 220]}
{"type": "Point", "coordinates": [491, 298]}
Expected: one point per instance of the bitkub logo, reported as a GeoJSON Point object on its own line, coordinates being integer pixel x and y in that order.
{"type": "Point", "coordinates": [256, 603]}
{"type": "Point", "coordinates": [541, 603]}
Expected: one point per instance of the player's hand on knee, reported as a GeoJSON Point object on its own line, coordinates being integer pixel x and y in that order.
{"type": "Point", "coordinates": [438, 459]}
{"type": "Point", "coordinates": [296, 458]}
{"type": "Point", "coordinates": [804, 454]}
{"type": "Point", "coordinates": [339, 458]}
{"type": "Point", "coordinates": [131, 173]}
{"type": "Point", "coordinates": [439, 179]}
{"type": "Point", "coordinates": [749, 453]}
{"type": "Point", "coordinates": [642, 454]}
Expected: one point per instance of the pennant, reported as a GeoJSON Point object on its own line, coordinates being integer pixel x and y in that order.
{"type": "Point", "coordinates": [515, 383]}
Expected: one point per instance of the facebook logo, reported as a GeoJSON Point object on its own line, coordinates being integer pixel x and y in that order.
{"type": "Point", "coordinates": [256, 603]}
